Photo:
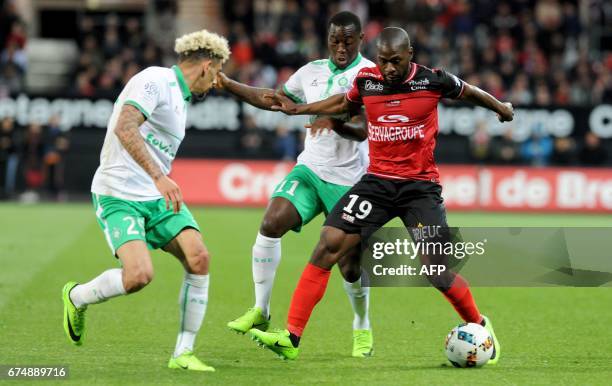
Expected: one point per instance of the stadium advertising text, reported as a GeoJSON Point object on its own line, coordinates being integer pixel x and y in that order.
{"type": "Point", "coordinates": [220, 113]}
{"type": "Point", "coordinates": [468, 187]}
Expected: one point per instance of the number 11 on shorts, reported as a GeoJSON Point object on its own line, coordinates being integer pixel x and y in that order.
{"type": "Point", "coordinates": [365, 207]}
{"type": "Point", "coordinates": [291, 191]}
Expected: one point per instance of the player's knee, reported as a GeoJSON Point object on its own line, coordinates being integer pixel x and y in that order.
{"type": "Point", "coordinates": [328, 250]}
{"type": "Point", "coordinates": [332, 240]}
{"type": "Point", "coordinates": [273, 226]}
{"type": "Point", "coordinates": [137, 278]}
{"type": "Point", "coordinates": [350, 272]}
{"type": "Point", "coordinates": [198, 262]}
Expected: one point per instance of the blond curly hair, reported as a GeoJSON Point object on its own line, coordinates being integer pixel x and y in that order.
{"type": "Point", "coordinates": [204, 43]}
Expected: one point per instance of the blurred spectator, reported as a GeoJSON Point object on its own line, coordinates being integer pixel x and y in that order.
{"type": "Point", "coordinates": [287, 50]}
{"type": "Point", "coordinates": [13, 60]}
{"type": "Point", "coordinates": [11, 79]}
{"type": "Point", "coordinates": [285, 144]}
{"type": "Point", "coordinates": [57, 144]}
{"type": "Point", "coordinates": [592, 152]}
{"type": "Point", "coordinates": [520, 94]}
{"type": "Point", "coordinates": [360, 8]}
{"type": "Point", "coordinates": [538, 149]}
{"type": "Point", "coordinates": [113, 49]}
{"type": "Point", "coordinates": [9, 157]}
{"type": "Point", "coordinates": [242, 51]}
{"type": "Point", "coordinates": [505, 150]}
{"type": "Point", "coordinates": [564, 153]}
{"type": "Point", "coordinates": [480, 142]}
{"type": "Point", "coordinates": [251, 141]}
{"type": "Point", "coordinates": [8, 16]}
{"type": "Point", "coordinates": [33, 151]}
{"type": "Point", "coordinates": [12, 54]}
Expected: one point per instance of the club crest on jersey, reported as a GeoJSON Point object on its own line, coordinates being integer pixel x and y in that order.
{"type": "Point", "coordinates": [373, 86]}
{"type": "Point", "coordinates": [151, 90]}
{"type": "Point", "coordinates": [393, 118]}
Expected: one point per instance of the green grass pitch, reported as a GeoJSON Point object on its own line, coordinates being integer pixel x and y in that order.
{"type": "Point", "coordinates": [549, 335]}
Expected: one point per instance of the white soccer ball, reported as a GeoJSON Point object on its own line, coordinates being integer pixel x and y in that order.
{"type": "Point", "coordinates": [469, 345]}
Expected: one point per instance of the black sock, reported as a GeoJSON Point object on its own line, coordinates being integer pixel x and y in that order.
{"type": "Point", "coordinates": [295, 340]}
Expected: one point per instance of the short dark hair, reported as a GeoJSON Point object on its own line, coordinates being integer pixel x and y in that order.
{"type": "Point", "coordinates": [345, 18]}
{"type": "Point", "coordinates": [194, 56]}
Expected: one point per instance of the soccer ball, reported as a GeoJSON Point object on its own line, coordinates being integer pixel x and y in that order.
{"type": "Point", "coordinates": [469, 345]}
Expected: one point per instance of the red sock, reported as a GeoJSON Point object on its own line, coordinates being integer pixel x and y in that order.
{"type": "Point", "coordinates": [460, 297]}
{"type": "Point", "coordinates": [309, 291]}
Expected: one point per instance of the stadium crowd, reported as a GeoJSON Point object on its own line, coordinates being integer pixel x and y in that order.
{"type": "Point", "coordinates": [528, 52]}
{"type": "Point", "coordinates": [13, 60]}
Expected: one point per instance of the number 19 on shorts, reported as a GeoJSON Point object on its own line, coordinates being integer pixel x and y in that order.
{"type": "Point", "coordinates": [363, 209]}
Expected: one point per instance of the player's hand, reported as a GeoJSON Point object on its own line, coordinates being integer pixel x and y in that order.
{"type": "Point", "coordinates": [269, 98]}
{"type": "Point", "coordinates": [171, 192]}
{"type": "Point", "coordinates": [320, 125]}
{"type": "Point", "coordinates": [507, 113]}
{"type": "Point", "coordinates": [220, 81]}
{"type": "Point", "coordinates": [284, 104]}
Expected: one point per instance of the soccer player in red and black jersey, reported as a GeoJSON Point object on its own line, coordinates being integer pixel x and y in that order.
{"type": "Point", "coordinates": [400, 99]}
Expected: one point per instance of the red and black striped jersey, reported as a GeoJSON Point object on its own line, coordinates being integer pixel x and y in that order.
{"type": "Point", "coordinates": [403, 119]}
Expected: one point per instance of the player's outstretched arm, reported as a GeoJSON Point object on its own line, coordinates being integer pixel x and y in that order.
{"type": "Point", "coordinates": [262, 98]}
{"type": "Point", "coordinates": [335, 104]}
{"type": "Point", "coordinates": [355, 129]}
{"type": "Point", "coordinates": [477, 96]}
{"type": "Point", "coordinates": [128, 132]}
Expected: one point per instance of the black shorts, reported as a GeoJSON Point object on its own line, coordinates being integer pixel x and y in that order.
{"type": "Point", "coordinates": [373, 201]}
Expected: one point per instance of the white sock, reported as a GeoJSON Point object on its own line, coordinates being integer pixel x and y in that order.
{"type": "Point", "coordinates": [108, 284]}
{"type": "Point", "coordinates": [193, 300]}
{"type": "Point", "coordinates": [266, 257]}
{"type": "Point", "coordinates": [360, 300]}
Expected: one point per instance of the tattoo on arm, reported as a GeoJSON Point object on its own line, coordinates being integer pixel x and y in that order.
{"type": "Point", "coordinates": [128, 132]}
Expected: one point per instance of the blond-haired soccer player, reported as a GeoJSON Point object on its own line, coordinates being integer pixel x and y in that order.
{"type": "Point", "coordinates": [138, 206]}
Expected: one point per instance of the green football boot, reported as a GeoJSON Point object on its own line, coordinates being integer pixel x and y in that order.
{"type": "Point", "coordinates": [496, 346]}
{"type": "Point", "coordinates": [188, 361]}
{"type": "Point", "coordinates": [253, 318]}
{"type": "Point", "coordinates": [74, 318]}
{"type": "Point", "coordinates": [277, 341]}
{"type": "Point", "coordinates": [363, 342]}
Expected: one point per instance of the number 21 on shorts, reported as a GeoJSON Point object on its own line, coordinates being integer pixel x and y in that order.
{"type": "Point", "coordinates": [292, 188]}
{"type": "Point", "coordinates": [363, 210]}
{"type": "Point", "coordinates": [132, 230]}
